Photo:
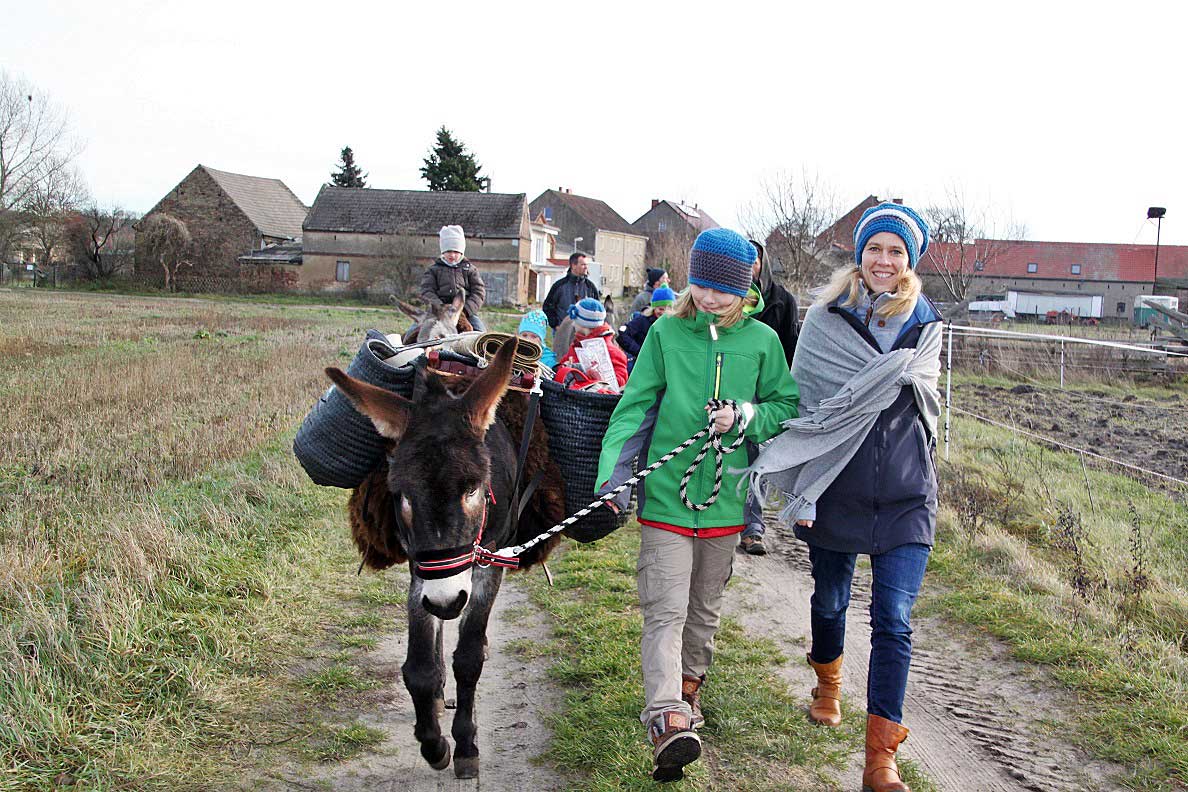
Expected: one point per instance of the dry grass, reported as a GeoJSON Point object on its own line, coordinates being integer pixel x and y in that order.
{"type": "Point", "coordinates": [157, 540]}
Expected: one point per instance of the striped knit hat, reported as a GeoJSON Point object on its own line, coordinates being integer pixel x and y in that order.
{"type": "Point", "coordinates": [721, 259]}
{"type": "Point", "coordinates": [899, 220]}
{"type": "Point", "coordinates": [662, 296]}
{"type": "Point", "coordinates": [587, 313]}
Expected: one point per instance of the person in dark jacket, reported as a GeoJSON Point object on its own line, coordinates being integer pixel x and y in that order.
{"type": "Point", "coordinates": [632, 334]}
{"type": "Point", "coordinates": [861, 481]}
{"type": "Point", "coordinates": [782, 314]}
{"type": "Point", "coordinates": [655, 277]}
{"type": "Point", "coordinates": [568, 290]}
{"type": "Point", "coordinates": [453, 273]}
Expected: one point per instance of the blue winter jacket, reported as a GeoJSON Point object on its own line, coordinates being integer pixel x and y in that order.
{"type": "Point", "coordinates": [886, 495]}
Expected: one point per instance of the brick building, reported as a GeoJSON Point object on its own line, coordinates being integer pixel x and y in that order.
{"type": "Point", "coordinates": [618, 250]}
{"type": "Point", "coordinates": [227, 214]}
{"type": "Point", "coordinates": [360, 239]}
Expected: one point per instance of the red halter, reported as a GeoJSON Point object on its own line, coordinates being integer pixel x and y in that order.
{"type": "Point", "coordinates": [436, 568]}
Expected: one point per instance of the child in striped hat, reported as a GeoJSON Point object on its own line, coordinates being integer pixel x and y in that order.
{"type": "Point", "coordinates": [589, 323]}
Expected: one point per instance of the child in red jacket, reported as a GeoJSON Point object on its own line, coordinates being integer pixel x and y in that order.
{"type": "Point", "coordinates": [589, 321]}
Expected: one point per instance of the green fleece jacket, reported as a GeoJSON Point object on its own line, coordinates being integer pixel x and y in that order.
{"type": "Point", "coordinates": [664, 404]}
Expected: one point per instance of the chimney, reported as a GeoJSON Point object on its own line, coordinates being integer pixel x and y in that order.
{"type": "Point", "coordinates": [655, 202]}
{"type": "Point", "coordinates": [897, 201]}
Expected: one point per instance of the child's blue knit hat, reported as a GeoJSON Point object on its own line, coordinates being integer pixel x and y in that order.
{"type": "Point", "coordinates": [535, 322]}
{"type": "Point", "coordinates": [662, 296]}
{"type": "Point", "coordinates": [587, 313]}
{"type": "Point", "coordinates": [899, 220]}
{"type": "Point", "coordinates": [721, 259]}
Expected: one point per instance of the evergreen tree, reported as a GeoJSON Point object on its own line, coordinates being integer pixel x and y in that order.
{"type": "Point", "coordinates": [450, 167]}
{"type": "Point", "coordinates": [349, 174]}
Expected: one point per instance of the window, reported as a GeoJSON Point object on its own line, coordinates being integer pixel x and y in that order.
{"type": "Point", "coordinates": [661, 226]}
{"type": "Point", "coordinates": [342, 272]}
{"type": "Point", "coordinates": [1121, 307]}
{"type": "Point", "coordinates": [979, 266]}
{"type": "Point", "coordinates": [1032, 267]}
{"type": "Point", "coordinates": [1076, 269]}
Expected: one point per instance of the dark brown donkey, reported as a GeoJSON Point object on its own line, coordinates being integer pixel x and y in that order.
{"type": "Point", "coordinates": [444, 494]}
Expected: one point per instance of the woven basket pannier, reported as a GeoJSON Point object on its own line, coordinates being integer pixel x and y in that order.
{"type": "Point", "coordinates": [337, 445]}
{"type": "Point", "coordinates": [576, 421]}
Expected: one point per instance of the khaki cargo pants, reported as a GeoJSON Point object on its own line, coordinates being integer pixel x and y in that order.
{"type": "Point", "coordinates": [681, 582]}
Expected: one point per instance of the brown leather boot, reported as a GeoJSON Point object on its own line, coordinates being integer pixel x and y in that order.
{"type": "Point", "coordinates": [691, 693]}
{"type": "Point", "coordinates": [674, 745]}
{"type": "Point", "coordinates": [826, 706]}
{"type": "Point", "coordinates": [881, 773]}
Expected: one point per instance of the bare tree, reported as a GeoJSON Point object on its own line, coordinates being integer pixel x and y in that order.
{"type": "Point", "coordinates": [403, 263]}
{"type": "Point", "coordinates": [166, 241]}
{"type": "Point", "coordinates": [101, 240]}
{"type": "Point", "coordinates": [793, 217]}
{"type": "Point", "coordinates": [34, 144]}
{"type": "Point", "coordinates": [966, 237]}
{"type": "Point", "coordinates": [48, 206]}
{"type": "Point", "coordinates": [670, 252]}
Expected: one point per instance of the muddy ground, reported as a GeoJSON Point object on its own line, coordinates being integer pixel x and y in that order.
{"type": "Point", "coordinates": [1142, 432]}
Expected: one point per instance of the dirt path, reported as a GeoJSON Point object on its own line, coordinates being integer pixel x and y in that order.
{"type": "Point", "coordinates": [513, 697]}
{"type": "Point", "coordinates": [974, 713]}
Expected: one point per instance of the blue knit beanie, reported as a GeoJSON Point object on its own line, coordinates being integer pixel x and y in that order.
{"type": "Point", "coordinates": [899, 220]}
{"type": "Point", "coordinates": [662, 296]}
{"type": "Point", "coordinates": [535, 322]}
{"type": "Point", "coordinates": [587, 313]}
{"type": "Point", "coordinates": [721, 259]}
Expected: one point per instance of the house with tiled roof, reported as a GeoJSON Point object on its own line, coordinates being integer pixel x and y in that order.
{"type": "Point", "coordinates": [228, 215]}
{"type": "Point", "coordinates": [671, 227]}
{"type": "Point", "coordinates": [362, 239]}
{"type": "Point", "coordinates": [591, 226]}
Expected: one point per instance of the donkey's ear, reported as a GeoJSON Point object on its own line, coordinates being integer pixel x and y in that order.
{"type": "Point", "coordinates": [483, 396]}
{"type": "Point", "coordinates": [405, 308]}
{"type": "Point", "coordinates": [388, 411]}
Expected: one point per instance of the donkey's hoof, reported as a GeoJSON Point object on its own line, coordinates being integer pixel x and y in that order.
{"type": "Point", "coordinates": [466, 767]}
{"type": "Point", "coordinates": [443, 758]}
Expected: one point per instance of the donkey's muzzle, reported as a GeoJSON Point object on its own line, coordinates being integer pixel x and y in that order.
{"type": "Point", "coordinates": [450, 611]}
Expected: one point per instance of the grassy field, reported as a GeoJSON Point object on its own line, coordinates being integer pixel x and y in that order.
{"type": "Point", "coordinates": [1082, 571]}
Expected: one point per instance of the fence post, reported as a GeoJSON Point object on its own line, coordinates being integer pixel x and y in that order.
{"type": "Point", "coordinates": [949, 392]}
{"type": "Point", "coordinates": [1062, 364]}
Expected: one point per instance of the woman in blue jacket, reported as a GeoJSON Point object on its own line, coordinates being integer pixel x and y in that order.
{"type": "Point", "coordinates": [858, 470]}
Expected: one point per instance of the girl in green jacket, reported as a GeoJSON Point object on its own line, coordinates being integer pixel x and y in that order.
{"type": "Point", "coordinates": [706, 348]}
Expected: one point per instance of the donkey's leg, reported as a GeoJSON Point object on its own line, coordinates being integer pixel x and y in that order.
{"type": "Point", "coordinates": [468, 667]}
{"type": "Point", "coordinates": [424, 677]}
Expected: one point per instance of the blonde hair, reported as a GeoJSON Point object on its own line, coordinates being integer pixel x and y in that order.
{"type": "Point", "coordinates": [848, 281]}
{"type": "Point", "coordinates": [684, 308]}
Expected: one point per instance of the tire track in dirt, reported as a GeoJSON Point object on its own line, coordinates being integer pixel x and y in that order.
{"type": "Point", "coordinates": [974, 713]}
{"type": "Point", "coordinates": [514, 695]}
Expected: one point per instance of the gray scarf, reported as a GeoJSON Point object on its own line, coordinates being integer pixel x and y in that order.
{"type": "Point", "coordinates": [844, 384]}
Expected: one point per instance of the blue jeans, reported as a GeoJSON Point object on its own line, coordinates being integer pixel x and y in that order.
{"type": "Point", "coordinates": [477, 323]}
{"type": "Point", "coordinates": [897, 575]}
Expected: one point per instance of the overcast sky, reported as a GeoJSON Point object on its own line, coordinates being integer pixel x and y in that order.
{"type": "Point", "coordinates": [1070, 120]}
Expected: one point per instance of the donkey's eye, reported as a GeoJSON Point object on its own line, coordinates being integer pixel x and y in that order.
{"type": "Point", "coordinates": [474, 497]}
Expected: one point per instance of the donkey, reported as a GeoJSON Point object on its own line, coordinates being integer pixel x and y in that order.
{"type": "Point", "coordinates": [444, 496]}
{"type": "Point", "coordinates": [438, 321]}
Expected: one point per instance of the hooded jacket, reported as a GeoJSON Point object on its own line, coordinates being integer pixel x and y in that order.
{"type": "Point", "coordinates": [664, 404]}
{"type": "Point", "coordinates": [618, 359]}
{"type": "Point", "coordinates": [442, 281]}
{"type": "Point", "coordinates": [781, 313]}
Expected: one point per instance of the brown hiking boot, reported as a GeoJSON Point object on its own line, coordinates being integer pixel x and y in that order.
{"type": "Point", "coordinates": [881, 773]}
{"type": "Point", "coordinates": [753, 545]}
{"type": "Point", "coordinates": [826, 706]}
{"type": "Point", "coordinates": [674, 745]}
{"type": "Point", "coordinates": [691, 693]}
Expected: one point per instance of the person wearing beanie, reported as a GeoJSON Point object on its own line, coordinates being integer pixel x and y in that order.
{"type": "Point", "coordinates": [707, 344]}
{"type": "Point", "coordinates": [534, 327]}
{"type": "Point", "coordinates": [862, 480]}
{"type": "Point", "coordinates": [452, 274]}
{"type": "Point", "coordinates": [589, 323]}
{"type": "Point", "coordinates": [632, 334]}
{"type": "Point", "coordinates": [568, 290]}
{"type": "Point", "coordinates": [655, 277]}
{"type": "Point", "coordinates": [782, 314]}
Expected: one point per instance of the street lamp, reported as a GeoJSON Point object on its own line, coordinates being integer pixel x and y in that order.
{"type": "Point", "coordinates": [582, 239]}
{"type": "Point", "coordinates": [1156, 213]}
